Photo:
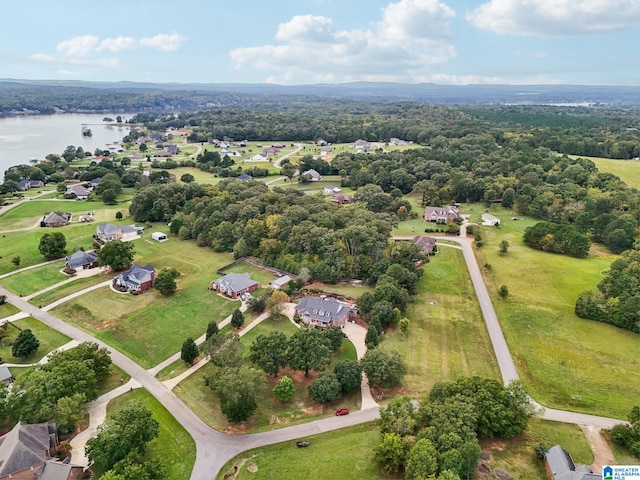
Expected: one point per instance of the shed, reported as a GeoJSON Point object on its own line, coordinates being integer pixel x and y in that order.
{"type": "Point", "coordinates": [488, 219]}
{"type": "Point", "coordinates": [159, 236]}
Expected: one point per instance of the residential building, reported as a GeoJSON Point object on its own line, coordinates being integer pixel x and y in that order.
{"type": "Point", "coordinates": [5, 375]}
{"type": "Point", "coordinates": [332, 190]}
{"type": "Point", "coordinates": [361, 145]}
{"type": "Point", "coordinates": [26, 453]}
{"type": "Point", "coordinates": [259, 157]}
{"type": "Point", "coordinates": [341, 199]}
{"type": "Point", "coordinates": [243, 177]}
{"type": "Point", "coordinates": [234, 284]}
{"type": "Point", "coordinates": [399, 142]}
{"type": "Point", "coordinates": [77, 191]}
{"type": "Point", "coordinates": [560, 466]}
{"type": "Point", "coordinates": [313, 175]}
{"type": "Point", "coordinates": [81, 260]}
{"type": "Point", "coordinates": [319, 312]}
{"type": "Point", "coordinates": [56, 219]}
{"type": "Point", "coordinates": [441, 214]}
{"type": "Point", "coordinates": [427, 244]}
{"type": "Point", "coordinates": [107, 232]}
{"type": "Point", "coordinates": [326, 151]}
{"type": "Point", "coordinates": [137, 279]}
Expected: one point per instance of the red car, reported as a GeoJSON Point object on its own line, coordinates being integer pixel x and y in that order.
{"type": "Point", "coordinates": [342, 411]}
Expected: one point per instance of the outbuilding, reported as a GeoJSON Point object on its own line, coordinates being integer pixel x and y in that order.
{"type": "Point", "coordinates": [159, 236]}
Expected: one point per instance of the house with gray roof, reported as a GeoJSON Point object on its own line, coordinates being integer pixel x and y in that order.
{"type": "Point", "coordinates": [323, 312]}
{"type": "Point", "coordinates": [107, 232]}
{"type": "Point", "coordinates": [427, 244]}
{"type": "Point", "coordinates": [81, 260]}
{"type": "Point", "coordinates": [313, 175]}
{"type": "Point", "coordinates": [56, 219]}
{"type": "Point", "coordinates": [137, 279]}
{"type": "Point", "coordinates": [280, 282]}
{"type": "Point", "coordinates": [5, 375]}
{"type": "Point", "coordinates": [560, 466]}
{"type": "Point", "coordinates": [26, 454]}
{"type": "Point", "coordinates": [234, 284]}
{"type": "Point", "coordinates": [77, 191]}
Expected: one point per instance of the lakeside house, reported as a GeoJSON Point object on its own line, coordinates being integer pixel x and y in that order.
{"type": "Point", "coordinates": [77, 191]}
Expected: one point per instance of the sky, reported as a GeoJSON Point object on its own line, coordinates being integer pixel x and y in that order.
{"type": "Point", "coordinates": [296, 42]}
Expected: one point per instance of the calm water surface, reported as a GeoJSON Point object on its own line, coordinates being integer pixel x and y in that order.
{"type": "Point", "coordinates": [26, 137]}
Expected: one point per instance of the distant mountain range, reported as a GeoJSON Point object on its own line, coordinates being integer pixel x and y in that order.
{"type": "Point", "coordinates": [579, 95]}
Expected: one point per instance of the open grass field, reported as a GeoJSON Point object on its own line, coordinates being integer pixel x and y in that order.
{"type": "Point", "coordinates": [263, 328]}
{"type": "Point", "coordinates": [201, 177]}
{"type": "Point", "coordinates": [564, 361]}
{"type": "Point", "coordinates": [627, 170]}
{"type": "Point", "coordinates": [173, 448]}
{"type": "Point", "coordinates": [150, 327]}
{"type": "Point", "coordinates": [337, 455]}
{"type": "Point", "coordinates": [67, 289]}
{"type": "Point", "coordinates": [49, 339]}
{"type": "Point", "coordinates": [31, 281]}
{"type": "Point", "coordinates": [270, 413]}
{"type": "Point", "coordinates": [447, 337]}
{"type": "Point", "coordinates": [347, 289]}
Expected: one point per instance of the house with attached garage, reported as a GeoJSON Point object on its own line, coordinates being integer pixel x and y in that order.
{"type": "Point", "coordinates": [26, 453]}
{"type": "Point", "coordinates": [323, 312]}
{"type": "Point", "coordinates": [234, 284]}
{"type": "Point", "coordinates": [107, 232]}
{"type": "Point", "coordinates": [313, 175]}
{"type": "Point", "coordinates": [81, 260]}
{"type": "Point", "coordinates": [77, 191]}
{"type": "Point", "coordinates": [137, 279]}
{"type": "Point", "coordinates": [441, 214]}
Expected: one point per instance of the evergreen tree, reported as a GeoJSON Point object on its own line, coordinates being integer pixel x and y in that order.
{"type": "Point", "coordinates": [25, 344]}
{"type": "Point", "coordinates": [189, 351]}
{"type": "Point", "coordinates": [237, 319]}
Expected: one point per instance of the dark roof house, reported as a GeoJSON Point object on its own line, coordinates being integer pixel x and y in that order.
{"type": "Point", "coordinates": [137, 279]}
{"type": "Point", "coordinates": [26, 454]}
{"type": "Point", "coordinates": [426, 243]}
{"type": "Point", "coordinates": [441, 214]}
{"type": "Point", "coordinates": [82, 260]}
{"type": "Point", "coordinates": [318, 312]}
{"type": "Point", "coordinates": [5, 374]}
{"type": "Point", "coordinates": [560, 466]}
{"type": "Point", "coordinates": [234, 284]}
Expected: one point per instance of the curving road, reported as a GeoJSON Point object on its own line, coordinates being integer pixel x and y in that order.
{"type": "Point", "coordinates": [214, 448]}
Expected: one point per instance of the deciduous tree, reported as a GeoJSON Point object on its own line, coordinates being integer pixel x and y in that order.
{"type": "Point", "coordinates": [284, 389]}
{"type": "Point", "coordinates": [325, 388]}
{"type": "Point", "coordinates": [308, 350]}
{"type": "Point", "coordinates": [349, 374]}
{"type": "Point", "coordinates": [116, 255]}
{"type": "Point", "coordinates": [236, 389]}
{"type": "Point", "coordinates": [25, 344]}
{"type": "Point", "coordinates": [189, 351]}
{"type": "Point", "coordinates": [384, 368]}
{"type": "Point", "coordinates": [269, 352]}
{"type": "Point", "coordinates": [52, 245]}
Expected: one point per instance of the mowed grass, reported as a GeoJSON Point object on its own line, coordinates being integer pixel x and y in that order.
{"type": "Point", "coordinates": [34, 280]}
{"type": "Point", "coordinates": [270, 413]}
{"type": "Point", "coordinates": [173, 448]}
{"type": "Point", "coordinates": [67, 289]}
{"type": "Point", "coordinates": [347, 289]}
{"type": "Point", "coordinates": [264, 277]}
{"type": "Point", "coordinates": [627, 170]}
{"type": "Point", "coordinates": [49, 339]}
{"type": "Point", "coordinates": [150, 327]}
{"type": "Point", "coordinates": [565, 362]}
{"type": "Point", "coordinates": [337, 455]}
{"type": "Point", "coordinates": [6, 310]}
{"type": "Point", "coordinates": [517, 457]}
{"type": "Point", "coordinates": [447, 336]}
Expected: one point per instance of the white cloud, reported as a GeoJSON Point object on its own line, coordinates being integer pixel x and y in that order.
{"type": "Point", "coordinates": [42, 57]}
{"type": "Point", "coordinates": [411, 37]}
{"type": "Point", "coordinates": [118, 44]}
{"type": "Point", "coordinates": [166, 43]}
{"type": "Point", "coordinates": [78, 46]}
{"type": "Point", "coordinates": [548, 18]}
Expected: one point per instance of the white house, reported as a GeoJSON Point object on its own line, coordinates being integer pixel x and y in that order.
{"type": "Point", "coordinates": [490, 220]}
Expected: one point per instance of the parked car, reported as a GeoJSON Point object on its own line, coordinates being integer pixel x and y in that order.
{"type": "Point", "coordinates": [342, 411]}
{"type": "Point", "coordinates": [302, 444]}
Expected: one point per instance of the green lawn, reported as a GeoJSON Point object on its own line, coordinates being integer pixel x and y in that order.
{"type": "Point", "coordinates": [201, 177]}
{"type": "Point", "coordinates": [49, 339]}
{"type": "Point", "coordinates": [173, 448]}
{"type": "Point", "coordinates": [31, 281]}
{"type": "Point", "coordinates": [150, 327]}
{"type": "Point", "coordinates": [447, 337]}
{"type": "Point", "coordinates": [346, 289]}
{"type": "Point", "coordinates": [516, 455]}
{"type": "Point", "coordinates": [280, 325]}
{"type": "Point", "coordinates": [68, 288]}
{"type": "Point", "coordinates": [627, 170]}
{"type": "Point", "coordinates": [337, 455]}
{"type": "Point", "coordinates": [6, 310]}
{"type": "Point", "coordinates": [264, 277]}
{"type": "Point", "coordinates": [270, 413]}
{"type": "Point", "coordinates": [565, 362]}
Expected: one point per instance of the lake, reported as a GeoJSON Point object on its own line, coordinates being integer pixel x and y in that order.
{"type": "Point", "coordinates": [25, 137]}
